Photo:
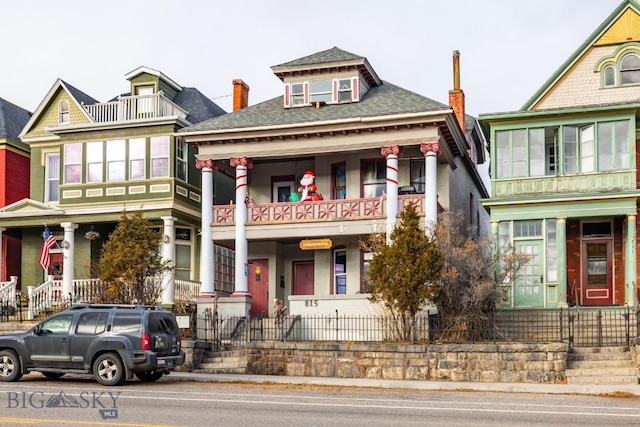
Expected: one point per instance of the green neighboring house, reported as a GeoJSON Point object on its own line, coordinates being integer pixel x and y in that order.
{"type": "Point", "coordinates": [92, 161]}
{"type": "Point", "coordinates": [564, 174]}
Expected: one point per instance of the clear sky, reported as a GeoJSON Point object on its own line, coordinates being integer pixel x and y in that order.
{"type": "Point", "coordinates": [508, 48]}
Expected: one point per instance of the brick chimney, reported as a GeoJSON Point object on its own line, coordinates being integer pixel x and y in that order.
{"type": "Point", "coordinates": [240, 95]}
{"type": "Point", "coordinates": [456, 96]}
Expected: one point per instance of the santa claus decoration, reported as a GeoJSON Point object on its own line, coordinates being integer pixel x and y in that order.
{"type": "Point", "coordinates": [307, 191]}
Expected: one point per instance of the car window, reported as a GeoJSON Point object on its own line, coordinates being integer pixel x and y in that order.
{"type": "Point", "coordinates": [162, 322]}
{"type": "Point", "coordinates": [58, 325]}
{"type": "Point", "coordinates": [127, 323]}
{"type": "Point", "coordinates": [91, 323]}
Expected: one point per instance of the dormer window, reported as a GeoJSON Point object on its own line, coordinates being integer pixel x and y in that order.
{"type": "Point", "coordinates": [64, 112]}
{"type": "Point", "coordinates": [297, 94]}
{"type": "Point", "coordinates": [344, 90]}
{"type": "Point", "coordinates": [331, 91]}
{"type": "Point", "coordinates": [320, 91]}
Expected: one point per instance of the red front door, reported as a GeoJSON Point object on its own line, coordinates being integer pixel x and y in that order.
{"type": "Point", "coordinates": [55, 269]}
{"type": "Point", "coordinates": [597, 281]}
{"type": "Point", "coordinates": [302, 278]}
{"type": "Point", "coordinates": [259, 287]}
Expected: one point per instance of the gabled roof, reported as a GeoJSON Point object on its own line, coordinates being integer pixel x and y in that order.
{"type": "Point", "coordinates": [142, 70]}
{"type": "Point", "coordinates": [29, 206]}
{"type": "Point", "coordinates": [386, 99]}
{"type": "Point", "coordinates": [77, 96]}
{"type": "Point", "coordinates": [328, 60]}
{"type": "Point", "coordinates": [200, 107]}
{"type": "Point", "coordinates": [12, 119]}
{"type": "Point", "coordinates": [631, 32]}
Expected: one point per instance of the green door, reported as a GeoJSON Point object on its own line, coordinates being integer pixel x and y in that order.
{"type": "Point", "coordinates": [529, 281]}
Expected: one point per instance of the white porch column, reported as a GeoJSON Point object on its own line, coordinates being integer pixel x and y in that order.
{"type": "Point", "coordinates": [207, 166]}
{"type": "Point", "coordinates": [431, 150]}
{"type": "Point", "coordinates": [68, 252]}
{"type": "Point", "coordinates": [391, 152]}
{"type": "Point", "coordinates": [631, 267]}
{"type": "Point", "coordinates": [169, 256]}
{"type": "Point", "coordinates": [2, 229]}
{"type": "Point", "coordinates": [242, 165]}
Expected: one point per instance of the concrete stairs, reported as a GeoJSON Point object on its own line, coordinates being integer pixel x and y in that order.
{"type": "Point", "coordinates": [223, 362]}
{"type": "Point", "coordinates": [601, 365]}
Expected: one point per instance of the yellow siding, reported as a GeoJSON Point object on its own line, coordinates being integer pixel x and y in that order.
{"type": "Point", "coordinates": [49, 116]}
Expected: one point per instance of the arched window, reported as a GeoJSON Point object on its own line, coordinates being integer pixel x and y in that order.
{"type": "Point", "coordinates": [630, 69]}
{"type": "Point", "coordinates": [63, 112]}
{"type": "Point", "coordinates": [609, 76]}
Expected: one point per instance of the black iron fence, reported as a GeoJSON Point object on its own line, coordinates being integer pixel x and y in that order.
{"type": "Point", "coordinates": [575, 326]}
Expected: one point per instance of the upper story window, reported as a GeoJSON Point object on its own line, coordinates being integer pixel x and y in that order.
{"type": "Point", "coordinates": [115, 160]}
{"type": "Point", "coordinates": [159, 156]}
{"type": "Point", "coordinates": [586, 148]}
{"type": "Point", "coordinates": [339, 181]}
{"type": "Point", "coordinates": [94, 161]}
{"type": "Point", "coordinates": [621, 68]}
{"type": "Point", "coordinates": [137, 158]}
{"type": "Point", "coordinates": [52, 177]}
{"type": "Point", "coordinates": [630, 69]}
{"type": "Point", "coordinates": [64, 112]}
{"type": "Point", "coordinates": [417, 175]}
{"type": "Point", "coordinates": [374, 178]}
{"type": "Point", "coordinates": [320, 91]}
{"type": "Point", "coordinates": [327, 90]}
{"type": "Point", "coordinates": [73, 163]}
{"type": "Point", "coordinates": [182, 149]}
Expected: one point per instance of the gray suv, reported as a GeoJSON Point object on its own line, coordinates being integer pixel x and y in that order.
{"type": "Point", "coordinates": [114, 342]}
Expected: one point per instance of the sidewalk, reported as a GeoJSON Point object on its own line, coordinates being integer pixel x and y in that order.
{"type": "Point", "coordinates": [601, 389]}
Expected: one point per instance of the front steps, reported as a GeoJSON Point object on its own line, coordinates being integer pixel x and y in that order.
{"type": "Point", "coordinates": [223, 362]}
{"type": "Point", "coordinates": [601, 365]}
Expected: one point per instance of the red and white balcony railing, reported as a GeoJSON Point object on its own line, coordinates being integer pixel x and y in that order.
{"type": "Point", "coordinates": [317, 211]}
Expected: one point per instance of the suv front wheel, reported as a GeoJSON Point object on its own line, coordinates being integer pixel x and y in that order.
{"type": "Point", "coordinates": [108, 369]}
{"type": "Point", "coordinates": [9, 366]}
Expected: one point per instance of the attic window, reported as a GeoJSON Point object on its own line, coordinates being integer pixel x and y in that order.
{"type": "Point", "coordinates": [297, 94]}
{"type": "Point", "coordinates": [329, 91]}
{"type": "Point", "coordinates": [344, 90]}
{"type": "Point", "coordinates": [64, 114]}
{"type": "Point", "coordinates": [630, 69]}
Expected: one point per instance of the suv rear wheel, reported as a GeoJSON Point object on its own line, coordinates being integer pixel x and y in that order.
{"type": "Point", "coordinates": [9, 366]}
{"type": "Point", "coordinates": [149, 376]}
{"type": "Point", "coordinates": [108, 369]}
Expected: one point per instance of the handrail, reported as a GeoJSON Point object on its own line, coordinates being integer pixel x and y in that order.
{"type": "Point", "coordinates": [8, 291]}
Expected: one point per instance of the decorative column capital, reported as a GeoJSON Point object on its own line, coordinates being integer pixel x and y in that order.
{"type": "Point", "coordinates": [241, 161]}
{"type": "Point", "coordinates": [206, 163]}
{"type": "Point", "coordinates": [386, 150]}
{"type": "Point", "coordinates": [430, 147]}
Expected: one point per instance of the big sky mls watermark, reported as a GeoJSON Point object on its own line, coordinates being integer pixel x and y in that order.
{"type": "Point", "coordinates": [105, 402]}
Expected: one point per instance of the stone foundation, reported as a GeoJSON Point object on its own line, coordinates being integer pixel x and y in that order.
{"type": "Point", "coordinates": [523, 363]}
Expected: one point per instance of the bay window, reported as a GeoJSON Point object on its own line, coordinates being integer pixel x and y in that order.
{"type": "Point", "coordinates": [137, 155]}
{"type": "Point", "coordinates": [159, 156]}
{"type": "Point", "coordinates": [94, 161]}
{"type": "Point", "coordinates": [115, 160]}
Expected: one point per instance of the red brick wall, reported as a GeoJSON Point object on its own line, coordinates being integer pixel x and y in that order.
{"type": "Point", "coordinates": [14, 177]}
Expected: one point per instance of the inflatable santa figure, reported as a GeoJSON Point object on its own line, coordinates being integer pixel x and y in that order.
{"type": "Point", "coordinates": [307, 189]}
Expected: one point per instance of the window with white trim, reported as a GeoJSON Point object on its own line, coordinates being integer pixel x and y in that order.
{"type": "Point", "coordinates": [159, 156]}
{"type": "Point", "coordinates": [94, 161]}
{"type": "Point", "coordinates": [52, 177]}
{"type": "Point", "coordinates": [374, 178]}
{"type": "Point", "coordinates": [297, 94]}
{"type": "Point", "coordinates": [340, 271]}
{"type": "Point", "coordinates": [116, 160]}
{"type": "Point", "coordinates": [345, 93]}
{"type": "Point", "coordinates": [182, 150]}
{"type": "Point", "coordinates": [64, 112]}
{"type": "Point", "coordinates": [73, 163]}
{"type": "Point", "coordinates": [137, 158]}
{"type": "Point", "coordinates": [320, 91]}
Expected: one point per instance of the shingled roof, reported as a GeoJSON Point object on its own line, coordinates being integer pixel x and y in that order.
{"type": "Point", "coordinates": [12, 119]}
{"type": "Point", "coordinates": [198, 106]}
{"type": "Point", "coordinates": [386, 99]}
{"type": "Point", "coordinates": [334, 54]}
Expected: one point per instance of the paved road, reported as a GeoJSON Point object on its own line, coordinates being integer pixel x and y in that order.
{"type": "Point", "coordinates": [236, 400]}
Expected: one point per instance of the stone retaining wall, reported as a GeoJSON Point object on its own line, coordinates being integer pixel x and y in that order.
{"type": "Point", "coordinates": [525, 363]}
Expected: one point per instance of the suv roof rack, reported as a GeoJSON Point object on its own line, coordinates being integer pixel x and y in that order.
{"type": "Point", "coordinates": [118, 306]}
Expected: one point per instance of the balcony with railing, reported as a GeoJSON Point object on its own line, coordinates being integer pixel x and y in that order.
{"type": "Point", "coordinates": [139, 107]}
{"type": "Point", "coordinates": [316, 211]}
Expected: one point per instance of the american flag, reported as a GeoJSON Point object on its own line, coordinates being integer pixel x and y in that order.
{"type": "Point", "coordinates": [48, 242]}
